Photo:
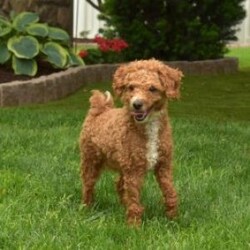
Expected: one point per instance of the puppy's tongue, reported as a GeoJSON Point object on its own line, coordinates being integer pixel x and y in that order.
{"type": "Point", "coordinates": [139, 116]}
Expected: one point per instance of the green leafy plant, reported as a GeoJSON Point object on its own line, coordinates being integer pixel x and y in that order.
{"type": "Point", "coordinates": [24, 43]}
{"type": "Point", "coordinates": [173, 30]}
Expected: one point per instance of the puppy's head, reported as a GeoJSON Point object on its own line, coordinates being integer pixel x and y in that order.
{"type": "Point", "coordinates": [145, 85]}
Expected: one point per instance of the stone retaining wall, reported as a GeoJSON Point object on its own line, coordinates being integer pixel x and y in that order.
{"type": "Point", "coordinates": [59, 85]}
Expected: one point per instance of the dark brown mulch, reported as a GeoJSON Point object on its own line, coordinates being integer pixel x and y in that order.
{"type": "Point", "coordinates": [7, 74]}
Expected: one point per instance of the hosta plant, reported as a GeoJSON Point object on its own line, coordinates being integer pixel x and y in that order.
{"type": "Point", "coordinates": [25, 43]}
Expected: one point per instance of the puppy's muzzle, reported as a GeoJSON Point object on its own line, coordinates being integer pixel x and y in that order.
{"type": "Point", "coordinates": [138, 110]}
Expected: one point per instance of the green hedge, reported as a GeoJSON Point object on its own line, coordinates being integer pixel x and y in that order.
{"type": "Point", "coordinates": [176, 29]}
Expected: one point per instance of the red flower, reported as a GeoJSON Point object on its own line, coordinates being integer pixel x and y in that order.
{"type": "Point", "coordinates": [103, 43]}
{"type": "Point", "coordinates": [106, 45]}
{"type": "Point", "coordinates": [83, 53]}
{"type": "Point", "coordinates": [118, 44]}
{"type": "Point", "coordinates": [99, 39]}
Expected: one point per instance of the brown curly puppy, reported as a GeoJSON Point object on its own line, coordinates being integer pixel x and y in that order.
{"type": "Point", "coordinates": [132, 139]}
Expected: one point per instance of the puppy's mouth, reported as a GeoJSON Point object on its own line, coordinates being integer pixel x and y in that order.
{"type": "Point", "coordinates": [140, 116]}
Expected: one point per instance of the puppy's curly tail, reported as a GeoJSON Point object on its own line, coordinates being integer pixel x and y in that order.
{"type": "Point", "coordinates": [100, 102]}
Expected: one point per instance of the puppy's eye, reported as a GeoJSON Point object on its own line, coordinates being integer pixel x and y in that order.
{"type": "Point", "coordinates": [153, 89]}
{"type": "Point", "coordinates": [131, 87]}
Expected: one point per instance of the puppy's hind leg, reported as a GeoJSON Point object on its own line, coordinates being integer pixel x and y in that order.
{"type": "Point", "coordinates": [91, 167]}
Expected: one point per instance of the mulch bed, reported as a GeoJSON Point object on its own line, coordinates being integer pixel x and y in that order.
{"type": "Point", "coordinates": [7, 74]}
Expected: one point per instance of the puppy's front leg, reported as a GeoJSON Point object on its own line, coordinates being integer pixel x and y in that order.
{"type": "Point", "coordinates": [132, 185]}
{"type": "Point", "coordinates": [163, 173]}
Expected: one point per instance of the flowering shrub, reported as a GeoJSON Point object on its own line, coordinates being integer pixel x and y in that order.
{"type": "Point", "coordinates": [106, 45]}
{"type": "Point", "coordinates": [107, 51]}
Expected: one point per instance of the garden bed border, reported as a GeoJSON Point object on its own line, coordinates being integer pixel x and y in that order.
{"type": "Point", "coordinates": [58, 85]}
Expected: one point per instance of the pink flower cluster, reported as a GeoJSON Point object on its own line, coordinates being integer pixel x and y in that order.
{"type": "Point", "coordinates": [115, 44]}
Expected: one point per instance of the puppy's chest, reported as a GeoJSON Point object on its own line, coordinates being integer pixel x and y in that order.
{"type": "Point", "coordinates": [152, 145]}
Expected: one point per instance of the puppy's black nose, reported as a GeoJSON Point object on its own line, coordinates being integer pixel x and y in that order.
{"type": "Point", "coordinates": [137, 104]}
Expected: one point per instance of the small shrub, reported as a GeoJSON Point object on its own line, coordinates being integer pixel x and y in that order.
{"type": "Point", "coordinates": [24, 43]}
{"type": "Point", "coordinates": [106, 51]}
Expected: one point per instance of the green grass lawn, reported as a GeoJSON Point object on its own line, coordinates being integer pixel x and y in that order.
{"type": "Point", "coordinates": [40, 187]}
{"type": "Point", "coordinates": [243, 53]}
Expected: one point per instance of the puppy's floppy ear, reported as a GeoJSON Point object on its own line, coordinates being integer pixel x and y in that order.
{"type": "Point", "coordinates": [171, 80]}
{"type": "Point", "coordinates": [118, 80]}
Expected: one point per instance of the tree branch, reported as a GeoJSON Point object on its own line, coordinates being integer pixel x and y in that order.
{"type": "Point", "coordinates": [99, 3]}
{"type": "Point", "coordinates": [95, 6]}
